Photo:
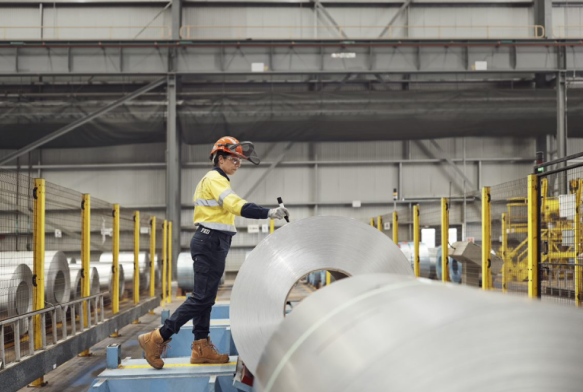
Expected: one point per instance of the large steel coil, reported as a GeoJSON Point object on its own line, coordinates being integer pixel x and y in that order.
{"type": "Point", "coordinates": [185, 273]}
{"type": "Point", "coordinates": [127, 258]}
{"type": "Point", "coordinates": [57, 275]}
{"type": "Point", "coordinates": [386, 332]}
{"type": "Point", "coordinates": [455, 268]}
{"type": "Point", "coordinates": [426, 263]}
{"type": "Point", "coordinates": [15, 292]}
{"type": "Point", "coordinates": [272, 269]}
{"type": "Point", "coordinates": [106, 277]}
{"type": "Point", "coordinates": [76, 281]}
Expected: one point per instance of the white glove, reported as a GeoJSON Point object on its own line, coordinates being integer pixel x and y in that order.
{"type": "Point", "coordinates": [278, 213]}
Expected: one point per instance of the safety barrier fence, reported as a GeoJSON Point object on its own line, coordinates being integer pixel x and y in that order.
{"type": "Point", "coordinates": [67, 260]}
{"type": "Point", "coordinates": [522, 237]}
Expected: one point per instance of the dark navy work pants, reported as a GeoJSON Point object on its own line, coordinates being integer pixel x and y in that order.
{"type": "Point", "coordinates": [208, 249]}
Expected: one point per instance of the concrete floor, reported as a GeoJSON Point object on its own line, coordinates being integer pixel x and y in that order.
{"type": "Point", "coordinates": [78, 374]}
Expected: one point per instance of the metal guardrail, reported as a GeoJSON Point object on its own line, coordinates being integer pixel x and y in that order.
{"type": "Point", "coordinates": [76, 308]}
{"type": "Point", "coordinates": [436, 31]}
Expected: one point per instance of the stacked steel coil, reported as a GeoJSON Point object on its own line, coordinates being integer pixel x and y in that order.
{"type": "Point", "coordinates": [185, 272]}
{"type": "Point", "coordinates": [273, 268]}
{"type": "Point", "coordinates": [76, 281]}
{"type": "Point", "coordinates": [426, 262]}
{"type": "Point", "coordinates": [106, 277]}
{"type": "Point", "coordinates": [127, 259]}
{"type": "Point", "coordinates": [393, 333]}
{"type": "Point", "coordinates": [15, 292]}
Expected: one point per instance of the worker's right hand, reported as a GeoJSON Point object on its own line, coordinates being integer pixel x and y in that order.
{"type": "Point", "coordinates": [278, 213]}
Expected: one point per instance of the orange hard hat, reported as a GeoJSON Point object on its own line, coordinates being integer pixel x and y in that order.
{"type": "Point", "coordinates": [223, 145]}
{"type": "Point", "coordinates": [232, 146]}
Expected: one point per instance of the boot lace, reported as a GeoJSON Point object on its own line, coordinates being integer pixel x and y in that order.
{"type": "Point", "coordinates": [162, 349]}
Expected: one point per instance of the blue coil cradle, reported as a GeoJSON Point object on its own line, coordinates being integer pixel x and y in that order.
{"type": "Point", "coordinates": [455, 268]}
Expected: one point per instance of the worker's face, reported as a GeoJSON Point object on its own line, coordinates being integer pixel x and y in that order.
{"type": "Point", "coordinates": [229, 164]}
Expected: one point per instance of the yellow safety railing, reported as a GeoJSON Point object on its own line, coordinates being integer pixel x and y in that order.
{"type": "Point", "coordinates": [362, 31]}
{"type": "Point", "coordinates": [395, 227]}
{"type": "Point", "coordinates": [153, 256]}
{"type": "Point", "coordinates": [533, 236]}
{"type": "Point", "coordinates": [445, 239]}
{"type": "Point", "coordinates": [115, 266]}
{"type": "Point", "coordinates": [486, 239]}
{"type": "Point", "coordinates": [416, 235]}
{"type": "Point", "coordinates": [380, 223]}
{"type": "Point", "coordinates": [169, 297]}
{"type": "Point", "coordinates": [136, 256]}
{"type": "Point", "coordinates": [85, 257]}
{"type": "Point", "coordinates": [164, 258]}
{"type": "Point", "coordinates": [38, 289]}
{"type": "Point", "coordinates": [87, 32]}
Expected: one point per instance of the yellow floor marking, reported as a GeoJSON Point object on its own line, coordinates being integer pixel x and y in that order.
{"type": "Point", "coordinates": [176, 365]}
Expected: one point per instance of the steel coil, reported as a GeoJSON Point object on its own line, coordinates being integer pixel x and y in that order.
{"type": "Point", "coordinates": [393, 333]}
{"type": "Point", "coordinates": [455, 267]}
{"type": "Point", "coordinates": [106, 277]}
{"type": "Point", "coordinates": [57, 275]}
{"type": "Point", "coordinates": [185, 273]}
{"type": "Point", "coordinates": [426, 263]}
{"type": "Point", "coordinates": [76, 281]}
{"type": "Point", "coordinates": [127, 258]}
{"type": "Point", "coordinates": [290, 253]}
{"type": "Point", "coordinates": [15, 292]}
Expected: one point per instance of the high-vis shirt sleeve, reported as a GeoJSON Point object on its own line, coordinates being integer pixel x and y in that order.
{"type": "Point", "coordinates": [221, 190]}
{"type": "Point", "coordinates": [253, 211]}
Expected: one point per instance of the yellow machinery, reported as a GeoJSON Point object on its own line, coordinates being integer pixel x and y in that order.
{"type": "Point", "coordinates": [560, 231]}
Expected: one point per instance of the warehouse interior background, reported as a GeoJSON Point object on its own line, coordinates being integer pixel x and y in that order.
{"type": "Point", "coordinates": [356, 108]}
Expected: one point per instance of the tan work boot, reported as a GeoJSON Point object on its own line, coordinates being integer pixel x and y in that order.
{"type": "Point", "coordinates": [153, 345]}
{"type": "Point", "coordinates": [203, 351]}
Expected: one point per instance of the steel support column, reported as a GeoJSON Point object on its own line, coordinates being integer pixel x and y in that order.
{"type": "Point", "coordinates": [173, 182]}
{"type": "Point", "coordinates": [176, 18]}
{"type": "Point", "coordinates": [543, 15]}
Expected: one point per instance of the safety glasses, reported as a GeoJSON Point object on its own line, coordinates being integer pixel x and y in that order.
{"type": "Point", "coordinates": [244, 150]}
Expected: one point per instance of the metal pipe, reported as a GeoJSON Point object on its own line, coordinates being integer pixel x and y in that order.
{"type": "Point", "coordinates": [393, 327]}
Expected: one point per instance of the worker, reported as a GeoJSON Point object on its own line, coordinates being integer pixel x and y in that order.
{"type": "Point", "coordinates": [215, 207]}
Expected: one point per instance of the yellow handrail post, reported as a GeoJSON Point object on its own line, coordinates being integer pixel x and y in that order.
{"type": "Point", "coordinates": [486, 239]}
{"type": "Point", "coordinates": [416, 235]}
{"type": "Point", "coordinates": [372, 222]}
{"type": "Point", "coordinates": [152, 256]}
{"type": "Point", "coordinates": [38, 271]}
{"type": "Point", "coordinates": [380, 223]}
{"type": "Point", "coordinates": [85, 257]}
{"type": "Point", "coordinates": [115, 267]}
{"type": "Point", "coordinates": [271, 226]}
{"type": "Point", "coordinates": [169, 297]}
{"type": "Point", "coordinates": [328, 278]}
{"type": "Point", "coordinates": [164, 258]}
{"type": "Point", "coordinates": [395, 227]}
{"type": "Point", "coordinates": [136, 257]}
{"type": "Point", "coordinates": [504, 250]}
{"type": "Point", "coordinates": [577, 236]}
{"type": "Point", "coordinates": [444, 239]}
{"type": "Point", "coordinates": [136, 261]}
{"type": "Point", "coordinates": [533, 236]}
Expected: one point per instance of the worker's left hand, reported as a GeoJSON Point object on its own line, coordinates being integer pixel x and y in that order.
{"type": "Point", "coordinates": [278, 213]}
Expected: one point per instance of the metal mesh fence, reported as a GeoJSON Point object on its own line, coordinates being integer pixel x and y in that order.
{"type": "Point", "coordinates": [561, 239]}
{"type": "Point", "coordinates": [509, 236]}
{"type": "Point", "coordinates": [16, 245]}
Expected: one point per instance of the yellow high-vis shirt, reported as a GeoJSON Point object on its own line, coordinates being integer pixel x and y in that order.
{"type": "Point", "coordinates": [215, 203]}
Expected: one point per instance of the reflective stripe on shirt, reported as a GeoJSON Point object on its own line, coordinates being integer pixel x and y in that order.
{"type": "Point", "coordinates": [224, 195]}
{"type": "Point", "coordinates": [208, 203]}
